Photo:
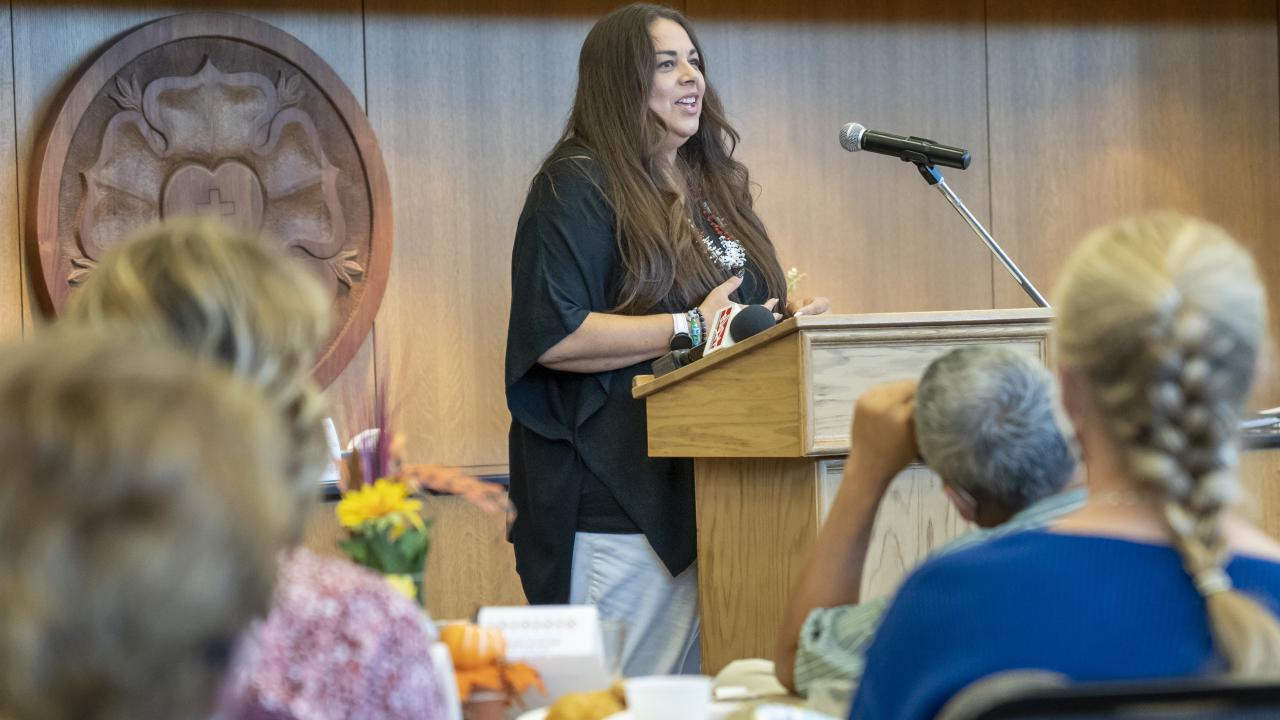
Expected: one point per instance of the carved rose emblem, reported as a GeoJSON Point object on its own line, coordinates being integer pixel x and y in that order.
{"type": "Point", "coordinates": [232, 145]}
{"type": "Point", "coordinates": [224, 115]}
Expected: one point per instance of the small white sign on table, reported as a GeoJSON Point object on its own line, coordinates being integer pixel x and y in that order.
{"type": "Point", "coordinates": [562, 642]}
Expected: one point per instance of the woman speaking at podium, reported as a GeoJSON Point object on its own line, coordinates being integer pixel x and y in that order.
{"type": "Point", "coordinates": [638, 225]}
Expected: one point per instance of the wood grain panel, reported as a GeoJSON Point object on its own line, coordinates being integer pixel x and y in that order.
{"type": "Point", "coordinates": [473, 565]}
{"type": "Point", "coordinates": [914, 518]}
{"type": "Point", "coordinates": [590, 9]}
{"type": "Point", "coordinates": [746, 407]}
{"type": "Point", "coordinates": [352, 397]}
{"type": "Point", "coordinates": [867, 231]}
{"type": "Point", "coordinates": [470, 563]}
{"type": "Point", "coordinates": [843, 366]}
{"type": "Point", "coordinates": [830, 473]}
{"type": "Point", "coordinates": [485, 99]}
{"type": "Point", "coordinates": [11, 289]}
{"type": "Point", "coordinates": [756, 523]}
{"type": "Point", "coordinates": [1099, 111]}
{"type": "Point", "coordinates": [1260, 476]}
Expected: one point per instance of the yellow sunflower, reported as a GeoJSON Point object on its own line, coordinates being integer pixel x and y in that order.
{"type": "Point", "coordinates": [383, 500]}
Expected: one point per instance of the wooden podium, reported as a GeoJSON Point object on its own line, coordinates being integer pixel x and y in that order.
{"type": "Point", "coordinates": [767, 423]}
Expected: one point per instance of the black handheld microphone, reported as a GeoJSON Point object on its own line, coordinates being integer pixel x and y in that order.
{"type": "Point", "coordinates": [854, 137]}
{"type": "Point", "coordinates": [750, 320]}
{"type": "Point", "coordinates": [674, 360]}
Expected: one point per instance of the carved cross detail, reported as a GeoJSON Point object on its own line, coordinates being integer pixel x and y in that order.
{"type": "Point", "coordinates": [215, 204]}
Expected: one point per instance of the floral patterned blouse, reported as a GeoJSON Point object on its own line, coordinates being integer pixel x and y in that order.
{"type": "Point", "coordinates": [339, 643]}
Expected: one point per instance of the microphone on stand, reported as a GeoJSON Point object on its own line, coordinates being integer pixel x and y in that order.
{"type": "Point", "coordinates": [855, 137]}
{"type": "Point", "coordinates": [926, 155]}
{"type": "Point", "coordinates": [731, 325]}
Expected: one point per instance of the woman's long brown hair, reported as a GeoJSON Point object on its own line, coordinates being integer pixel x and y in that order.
{"type": "Point", "coordinates": [663, 261]}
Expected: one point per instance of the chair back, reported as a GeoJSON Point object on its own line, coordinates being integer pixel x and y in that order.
{"type": "Point", "coordinates": [1039, 695]}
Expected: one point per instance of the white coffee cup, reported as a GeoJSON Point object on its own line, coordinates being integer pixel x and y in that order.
{"type": "Point", "coordinates": [662, 697]}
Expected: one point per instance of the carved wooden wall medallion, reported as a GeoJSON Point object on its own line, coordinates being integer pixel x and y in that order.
{"type": "Point", "coordinates": [221, 115]}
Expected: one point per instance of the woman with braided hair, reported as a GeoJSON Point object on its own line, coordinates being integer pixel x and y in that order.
{"type": "Point", "coordinates": [1160, 320]}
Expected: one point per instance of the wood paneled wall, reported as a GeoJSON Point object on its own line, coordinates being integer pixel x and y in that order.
{"type": "Point", "coordinates": [11, 267]}
{"type": "Point", "coordinates": [1096, 112]}
{"type": "Point", "coordinates": [465, 109]}
{"type": "Point", "coordinates": [1075, 112]}
{"type": "Point", "coordinates": [867, 231]}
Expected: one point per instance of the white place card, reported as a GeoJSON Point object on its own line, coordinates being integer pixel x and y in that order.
{"type": "Point", "coordinates": [562, 642]}
{"type": "Point", "coordinates": [545, 630]}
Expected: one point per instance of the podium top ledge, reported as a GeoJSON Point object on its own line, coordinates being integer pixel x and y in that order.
{"type": "Point", "coordinates": [917, 319]}
{"type": "Point", "coordinates": [645, 385]}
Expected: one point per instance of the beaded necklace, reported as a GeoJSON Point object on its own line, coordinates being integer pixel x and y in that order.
{"type": "Point", "coordinates": [723, 248]}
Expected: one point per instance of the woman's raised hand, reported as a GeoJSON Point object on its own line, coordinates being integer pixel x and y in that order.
{"type": "Point", "coordinates": [719, 297]}
{"type": "Point", "coordinates": [809, 306]}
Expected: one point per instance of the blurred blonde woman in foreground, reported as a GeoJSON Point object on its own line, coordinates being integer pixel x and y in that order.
{"type": "Point", "coordinates": [140, 518]}
{"type": "Point", "coordinates": [339, 642]}
{"type": "Point", "coordinates": [1160, 320]}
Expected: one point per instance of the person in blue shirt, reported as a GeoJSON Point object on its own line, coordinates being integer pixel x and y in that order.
{"type": "Point", "coordinates": [1159, 323]}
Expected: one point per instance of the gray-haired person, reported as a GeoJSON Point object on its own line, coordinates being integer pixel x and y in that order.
{"type": "Point", "coordinates": [982, 418]}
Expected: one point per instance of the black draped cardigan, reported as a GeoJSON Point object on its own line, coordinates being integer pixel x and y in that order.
{"type": "Point", "coordinates": [568, 428]}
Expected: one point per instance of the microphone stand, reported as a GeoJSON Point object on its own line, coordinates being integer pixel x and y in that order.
{"type": "Point", "coordinates": [932, 176]}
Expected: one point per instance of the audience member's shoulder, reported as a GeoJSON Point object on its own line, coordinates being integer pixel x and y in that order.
{"type": "Point", "coordinates": [993, 555]}
{"type": "Point", "coordinates": [987, 564]}
{"type": "Point", "coordinates": [1046, 550]}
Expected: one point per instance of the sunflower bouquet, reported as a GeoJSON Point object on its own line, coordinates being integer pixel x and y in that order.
{"type": "Point", "coordinates": [385, 528]}
{"type": "Point", "coordinates": [386, 532]}
{"type": "Point", "coordinates": [382, 510]}
{"type": "Point", "coordinates": [381, 506]}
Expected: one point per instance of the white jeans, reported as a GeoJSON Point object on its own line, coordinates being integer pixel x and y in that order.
{"type": "Point", "coordinates": [622, 576]}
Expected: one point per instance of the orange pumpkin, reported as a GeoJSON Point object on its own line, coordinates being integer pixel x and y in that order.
{"type": "Point", "coordinates": [473, 646]}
